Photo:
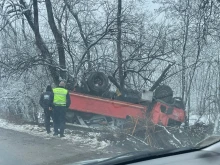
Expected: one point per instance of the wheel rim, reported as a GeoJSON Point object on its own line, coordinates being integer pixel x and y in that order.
{"type": "Point", "coordinates": [98, 81]}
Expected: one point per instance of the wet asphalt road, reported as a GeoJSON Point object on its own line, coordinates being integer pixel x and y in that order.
{"type": "Point", "coordinates": [18, 148]}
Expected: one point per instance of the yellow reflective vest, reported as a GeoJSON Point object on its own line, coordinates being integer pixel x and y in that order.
{"type": "Point", "coordinates": [59, 96]}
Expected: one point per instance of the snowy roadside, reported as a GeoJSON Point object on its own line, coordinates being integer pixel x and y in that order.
{"type": "Point", "coordinates": [81, 138]}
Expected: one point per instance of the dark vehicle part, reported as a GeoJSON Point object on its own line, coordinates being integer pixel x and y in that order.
{"type": "Point", "coordinates": [70, 85]}
{"type": "Point", "coordinates": [84, 87]}
{"type": "Point", "coordinates": [166, 110]}
{"type": "Point", "coordinates": [130, 96]}
{"type": "Point", "coordinates": [109, 95]}
{"type": "Point", "coordinates": [178, 102]}
{"type": "Point", "coordinates": [97, 120]}
{"type": "Point", "coordinates": [164, 93]}
{"type": "Point", "coordinates": [173, 123]}
{"type": "Point", "coordinates": [98, 82]}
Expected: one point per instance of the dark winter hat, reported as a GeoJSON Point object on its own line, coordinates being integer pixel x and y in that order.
{"type": "Point", "coordinates": [62, 84]}
{"type": "Point", "coordinates": [49, 88]}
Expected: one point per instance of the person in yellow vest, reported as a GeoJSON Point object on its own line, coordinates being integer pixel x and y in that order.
{"type": "Point", "coordinates": [61, 101]}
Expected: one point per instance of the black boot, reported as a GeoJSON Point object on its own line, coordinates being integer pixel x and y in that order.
{"type": "Point", "coordinates": [55, 134]}
{"type": "Point", "coordinates": [48, 131]}
{"type": "Point", "coordinates": [62, 135]}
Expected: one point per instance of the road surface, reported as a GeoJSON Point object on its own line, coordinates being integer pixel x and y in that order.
{"type": "Point", "coordinates": [17, 148]}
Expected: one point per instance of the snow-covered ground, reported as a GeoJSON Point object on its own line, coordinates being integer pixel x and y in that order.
{"type": "Point", "coordinates": [82, 138]}
{"type": "Point", "coordinates": [197, 118]}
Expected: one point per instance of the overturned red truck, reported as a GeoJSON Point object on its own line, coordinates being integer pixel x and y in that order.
{"type": "Point", "coordinates": [92, 108]}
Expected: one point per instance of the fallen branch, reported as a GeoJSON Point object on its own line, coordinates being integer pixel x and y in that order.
{"type": "Point", "coordinates": [170, 134]}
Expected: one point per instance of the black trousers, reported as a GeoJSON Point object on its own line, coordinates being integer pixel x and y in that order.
{"type": "Point", "coordinates": [59, 119]}
{"type": "Point", "coordinates": [48, 114]}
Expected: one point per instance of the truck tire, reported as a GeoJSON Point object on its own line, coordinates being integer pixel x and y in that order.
{"type": "Point", "coordinates": [164, 93]}
{"type": "Point", "coordinates": [98, 82]}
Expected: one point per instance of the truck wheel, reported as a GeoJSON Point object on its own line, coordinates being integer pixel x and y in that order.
{"type": "Point", "coordinates": [98, 82]}
{"type": "Point", "coordinates": [164, 93]}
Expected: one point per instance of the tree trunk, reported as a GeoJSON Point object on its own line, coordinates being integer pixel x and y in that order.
{"type": "Point", "coordinates": [84, 39]}
{"type": "Point", "coordinates": [82, 34]}
{"type": "Point", "coordinates": [58, 37]}
{"type": "Point", "coordinates": [161, 78]}
{"type": "Point", "coordinates": [218, 99]}
{"type": "Point", "coordinates": [188, 110]}
{"type": "Point", "coordinates": [119, 51]}
{"type": "Point", "coordinates": [39, 41]}
{"type": "Point", "coordinates": [185, 39]}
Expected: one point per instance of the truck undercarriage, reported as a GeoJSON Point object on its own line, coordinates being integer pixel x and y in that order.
{"type": "Point", "coordinates": [94, 105]}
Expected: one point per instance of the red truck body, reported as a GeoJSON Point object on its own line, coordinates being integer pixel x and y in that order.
{"type": "Point", "coordinates": [163, 118]}
{"type": "Point", "coordinates": [122, 110]}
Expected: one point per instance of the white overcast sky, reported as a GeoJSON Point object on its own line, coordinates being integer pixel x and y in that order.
{"type": "Point", "coordinates": [151, 5]}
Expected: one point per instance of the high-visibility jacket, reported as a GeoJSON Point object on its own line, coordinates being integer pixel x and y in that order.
{"type": "Point", "coordinates": [59, 96]}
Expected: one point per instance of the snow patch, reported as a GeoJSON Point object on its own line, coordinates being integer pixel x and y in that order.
{"type": "Point", "coordinates": [89, 139]}
{"type": "Point", "coordinates": [174, 144]}
{"type": "Point", "coordinates": [193, 118]}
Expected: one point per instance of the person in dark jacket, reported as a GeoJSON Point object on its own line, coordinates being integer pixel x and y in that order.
{"type": "Point", "coordinates": [61, 102]}
{"type": "Point", "coordinates": [46, 102]}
